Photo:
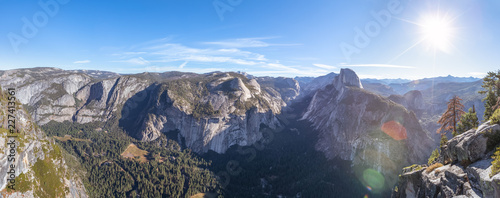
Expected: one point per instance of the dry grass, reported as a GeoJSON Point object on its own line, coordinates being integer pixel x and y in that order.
{"type": "Point", "coordinates": [432, 167]}
{"type": "Point", "coordinates": [68, 137]}
{"type": "Point", "coordinates": [134, 152]}
{"type": "Point", "coordinates": [204, 195]}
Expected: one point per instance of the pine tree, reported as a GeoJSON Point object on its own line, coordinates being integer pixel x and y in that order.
{"type": "Point", "coordinates": [489, 105]}
{"type": "Point", "coordinates": [451, 116]}
{"type": "Point", "coordinates": [468, 121]}
{"type": "Point", "coordinates": [443, 141]}
{"type": "Point", "coordinates": [491, 84]}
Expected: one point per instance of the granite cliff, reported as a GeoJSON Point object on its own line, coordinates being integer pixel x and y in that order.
{"type": "Point", "coordinates": [40, 165]}
{"type": "Point", "coordinates": [212, 111]}
{"type": "Point", "coordinates": [365, 128]}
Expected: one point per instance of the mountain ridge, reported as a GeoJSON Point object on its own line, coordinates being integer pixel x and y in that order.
{"type": "Point", "coordinates": [352, 123]}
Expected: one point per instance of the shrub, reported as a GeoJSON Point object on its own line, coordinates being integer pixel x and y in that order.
{"type": "Point", "coordinates": [411, 168]}
{"type": "Point", "coordinates": [432, 167]}
{"type": "Point", "coordinates": [443, 141]}
{"type": "Point", "coordinates": [204, 110]}
{"type": "Point", "coordinates": [495, 164]}
{"type": "Point", "coordinates": [433, 157]}
{"type": "Point", "coordinates": [493, 139]}
{"type": "Point", "coordinates": [495, 118]}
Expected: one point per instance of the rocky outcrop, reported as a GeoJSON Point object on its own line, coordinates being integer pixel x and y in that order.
{"type": "Point", "coordinates": [220, 111]}
{"type": "Point", "coordinates": [100, 100]}
{"type": "Point", "coordinates": [212, 111]}
{"type": "Point", "coordinates": [348, 78]}
{"type": "Point", "coordinates": [412, 101]}
{"type": "Point", "coordinates": [467, 159]}
{"type": "Point", "coordinates": [37, 159]}
{"type": "Point", "coordinates": [287, 89]}
{"type": "Point", "coordinates": [367, 129]}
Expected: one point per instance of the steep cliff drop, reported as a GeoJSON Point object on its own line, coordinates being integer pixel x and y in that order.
{"type": "Point", "coordinates": [32, 165]}
{"type": "Point", "coordinates": [376, 134]}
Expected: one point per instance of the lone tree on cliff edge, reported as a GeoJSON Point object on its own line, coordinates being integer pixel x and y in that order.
{"type": "Point", "coordinates": [451, 116]}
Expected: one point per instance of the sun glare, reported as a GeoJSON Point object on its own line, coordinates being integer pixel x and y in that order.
{"type": "Point", "coordinates": [437, 31]}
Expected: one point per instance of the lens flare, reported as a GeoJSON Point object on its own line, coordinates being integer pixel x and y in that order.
{"type": "Point", "coordinates": [373, 179]}
{"type": "Point", "coordinates": [395, 130]}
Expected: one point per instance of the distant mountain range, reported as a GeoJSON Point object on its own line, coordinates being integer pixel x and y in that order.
{"type": "Point", "coordinates": [335, 119]}
{"type": "Point", "coordinates": [439, 79]}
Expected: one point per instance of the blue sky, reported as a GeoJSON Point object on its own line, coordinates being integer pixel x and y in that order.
{"type": "Point", "coordinates": [260, 37]}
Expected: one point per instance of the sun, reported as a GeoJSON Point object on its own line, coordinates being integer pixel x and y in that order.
{"type": "Point", "coordinates": [437, 31]}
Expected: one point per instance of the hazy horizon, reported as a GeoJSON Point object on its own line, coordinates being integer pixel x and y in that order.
{"type": "Point", "coordinates": [361, 77]}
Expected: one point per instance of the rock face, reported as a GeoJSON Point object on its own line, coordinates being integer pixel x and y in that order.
{"type": "Point", "coordinates": [219, 111]}
{"type": "Point", "coordinates": [412, 101]}
{"type": "Point", "coordinates": [348, 78]}
{"type": "Point", "coordinates": [37, 160]}
{"type": "Point", "coordinates": [310, 85]}
{"type": "Point", "coordinates": [467, 170]}
{"type": "Point", "coordinates": [212, 111]}
{"type": "Point", "coordinates": [287, 89]}
{"type": "Point", "coordinates": [367, 129]}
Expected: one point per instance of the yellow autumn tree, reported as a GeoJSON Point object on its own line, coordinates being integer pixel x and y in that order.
{"type": "Point", "coordinates": [451, 116]}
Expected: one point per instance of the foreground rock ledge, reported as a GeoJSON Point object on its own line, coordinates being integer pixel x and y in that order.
{"type": "Point", "coordinates": [466, 173]}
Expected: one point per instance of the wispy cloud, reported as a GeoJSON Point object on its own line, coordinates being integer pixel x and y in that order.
{"type": "Point", "coordinates": [173, 68]}
{"type": "Point", "coordinates": [379, 65]}
{"type": "Point", "coordinates": [325, 66]}
{"type": "Point", "coordinates": [171, 52]}
{"type": "Point", "coordinates": [183, 65]}
{"type": "Point", "coordinates": [163, 55]}
{"type": "Point", "coordinates": [246, 43]}
{"type": "Point", "coordinates": [134, 61]}
{"type": "Point", "coordinates": [81, 62]}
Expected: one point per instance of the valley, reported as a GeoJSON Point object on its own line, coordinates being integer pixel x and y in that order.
{"type": "Point", "coordinates": [231, 135]}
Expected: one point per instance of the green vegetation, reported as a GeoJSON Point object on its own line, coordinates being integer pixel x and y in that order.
{"type": "Point", "coordinates": [468, 121]}
{"type": "Point", "coordinates": [186, 92]}
{"type": "Point", "coordinates": [243, 106]}
{"type": "Point", "coordinates": [495, 118]}
{"type": "Point", "coordinates": [414, 167]}
{"type": "Point", "coordinates": [204, 110]}
{"type": "Point", "coordinates": [49, 179]}
{"type": "Point", "coordinates": [189, 94]}
{"type": "Point", "coordinates": [495, 164]}
{"type": "Point", "coordinates": [23, 184]}
{"type": "Point", "coordinates": [434, 156]}
{"type": "Point", "coordinates": [432, 167]}
{"type": "Point", "coordinates": [443, 141]}
{"type": "Point", "coordinates": [493, 139]}
{"type": "Point", "coordinates": [489, 103]}
{"type": "Point", "coordinates": [106, 173]}
{"type": "Point", "coordinates": [491, 86]}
